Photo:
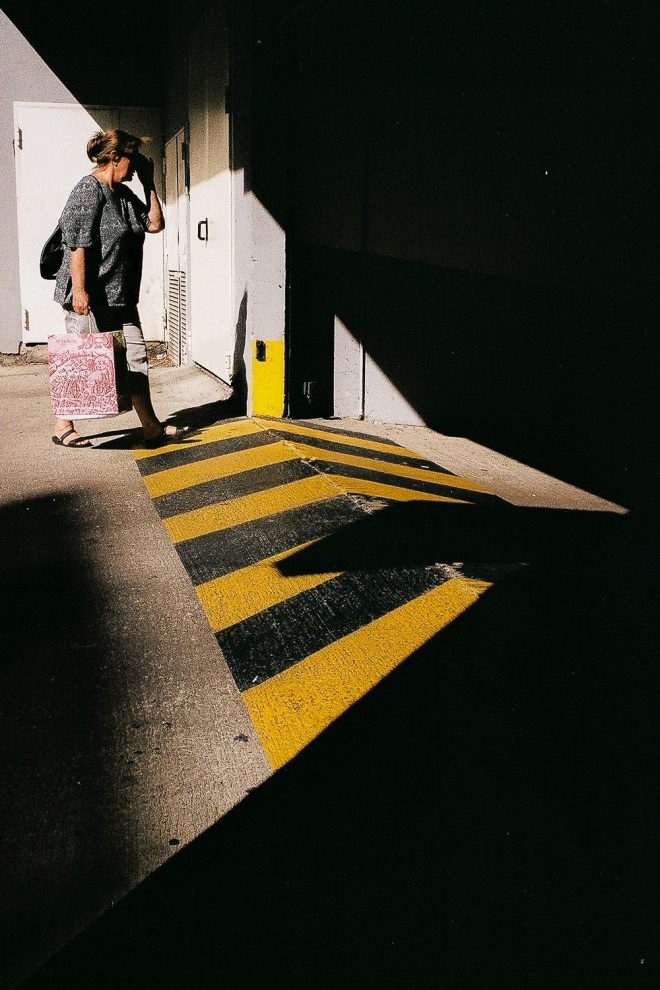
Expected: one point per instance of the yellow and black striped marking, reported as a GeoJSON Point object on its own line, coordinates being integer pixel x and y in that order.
{"type": "Point", "coordinates": [309, 550]}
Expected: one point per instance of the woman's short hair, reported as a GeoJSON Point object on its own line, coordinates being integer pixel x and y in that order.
{"type": "Point", "coordinates": [104, 146]}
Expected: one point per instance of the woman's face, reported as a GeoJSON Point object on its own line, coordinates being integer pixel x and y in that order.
{"type": "Point", "coordinates": [124, 168]}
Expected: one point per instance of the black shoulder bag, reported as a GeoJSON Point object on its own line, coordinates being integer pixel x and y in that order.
{"type": "Point", "coordinates": [52, 255]}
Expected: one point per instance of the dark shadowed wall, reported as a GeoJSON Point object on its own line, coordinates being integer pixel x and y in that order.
{"type": "Point", "coordinates": [467, 190]}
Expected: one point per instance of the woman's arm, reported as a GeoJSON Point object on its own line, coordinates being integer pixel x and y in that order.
{"type": "Point", "coordinates": [145, 173]}
{"type": "Point", "coordinates": [80, 295]}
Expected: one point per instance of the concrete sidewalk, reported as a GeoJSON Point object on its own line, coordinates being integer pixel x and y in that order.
{"type": "Point", "coordinates": [124, 733]}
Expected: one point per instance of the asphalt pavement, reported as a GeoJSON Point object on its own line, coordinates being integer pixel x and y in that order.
{"type": "Point", "coordinates": [484, 816]}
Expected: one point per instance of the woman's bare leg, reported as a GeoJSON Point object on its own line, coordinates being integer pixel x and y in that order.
{"type": "Point", "coordinates": [141, 398]}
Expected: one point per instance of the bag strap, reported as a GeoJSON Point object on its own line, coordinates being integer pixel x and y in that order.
{"type": "Point", "coordinates": [91, 325]}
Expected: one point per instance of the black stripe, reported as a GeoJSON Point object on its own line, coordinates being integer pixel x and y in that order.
{"type": "Point", "coordinates": [281, 636]}
{"type": "Point", "coordinates": [211, 556]}
{"type": "Point", "coordinates": [336, 445]}
{"type": "Point", "coordinates": [490, 571]}
{"type": "Point", "coordinates": [203, 451]}
{"type": "Point", "coordinates": [311, 425]}
{"type": "Point", "coordinates": [235, 486]}
{"type": "Point", "coordinates": [400, 481]}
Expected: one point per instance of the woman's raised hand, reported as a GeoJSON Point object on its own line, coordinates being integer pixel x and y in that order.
{"type": "Point", "coordinates": [145, 170]}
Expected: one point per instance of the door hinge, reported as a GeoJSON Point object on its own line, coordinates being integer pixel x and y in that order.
{"type": "Point", "coordinates": [26, 321]}
{"type": "Point", "coordinates": [165, 320]}
{"type": "Point", "coordinates": [18, 140]}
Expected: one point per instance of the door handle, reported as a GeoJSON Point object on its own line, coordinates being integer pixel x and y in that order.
{"type": "Point", "coordinates": [205, 235]}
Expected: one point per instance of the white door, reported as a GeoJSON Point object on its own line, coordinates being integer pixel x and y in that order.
{"type": "Point", "coordinates": [50, 142]}
{"type": "Point", "coordinates": [176, 247]}
{"type": "Point", "coordinates": [212, 331]}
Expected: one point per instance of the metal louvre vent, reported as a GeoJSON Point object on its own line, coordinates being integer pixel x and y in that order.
{"type": "Point", "coordinates": [177, 320]}
{"type": "Point", "coordinates": [183, 318]}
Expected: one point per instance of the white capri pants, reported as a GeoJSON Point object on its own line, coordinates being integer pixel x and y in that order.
{"type": "Point", "coordinates": [111, 319]}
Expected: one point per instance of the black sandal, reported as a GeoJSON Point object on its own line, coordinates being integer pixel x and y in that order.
{"type": "Point", "coordinates": [80, 443]}
{"type": "Point", "coordinates": [165, 438]}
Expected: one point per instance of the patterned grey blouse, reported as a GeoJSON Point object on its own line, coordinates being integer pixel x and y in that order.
{"type": "Point", "coordinates": [111, 224]}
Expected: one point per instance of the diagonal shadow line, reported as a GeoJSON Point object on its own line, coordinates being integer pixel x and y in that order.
{"type": "Point", "coordinates": [129, 431]}
{"type": "Point", "coordinates": [131, 438]}
{"type": "Point", "coordinates": [209, 413]}
{"type": "Point", "coordinates": [424, 533]}
{"type": "Point", "coordinates": [401, 814]}
{"type": "Point", "coordinates": [488, 811]}
{"type": "Point", "coordinates": [196, 417]}
{"type": "Point", "coordinates": [126, 440]}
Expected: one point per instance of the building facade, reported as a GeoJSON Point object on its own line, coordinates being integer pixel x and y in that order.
{"type": "Point", "coordinates": [417, 215]}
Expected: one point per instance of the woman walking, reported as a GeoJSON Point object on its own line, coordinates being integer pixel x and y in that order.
{"type": "Point", "coordinates": [103, 228]}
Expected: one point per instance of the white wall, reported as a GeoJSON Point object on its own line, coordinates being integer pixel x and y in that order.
{"type": "Point", "coordinates": [23, 76]}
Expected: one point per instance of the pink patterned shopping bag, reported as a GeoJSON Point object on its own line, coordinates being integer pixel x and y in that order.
{"type": "Point", "coordinates": [87, 375]}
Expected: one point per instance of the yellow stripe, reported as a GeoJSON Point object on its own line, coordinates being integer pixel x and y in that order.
{"type": "Point", "coordinates": [362, 486]}
{"type": "Point", "coordinates": [199, 522]}
{"type": "Point", "coordinates": [223, 431]}
{"type": "Point", "coordinates": [292, 708]}
{"type": "Point", "coordinates": [385, 467]}
{"type": "Point", "coordinates": [222, 466]}
{"type": "Point", "coordinates": [346, 438]}
{"type": "Point", "coordinates": [241, 594]}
